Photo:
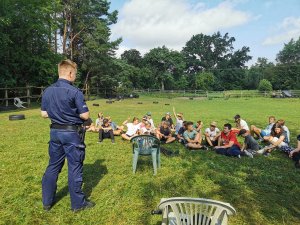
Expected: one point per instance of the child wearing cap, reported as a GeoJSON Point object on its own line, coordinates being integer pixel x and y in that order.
{"type": "Point", "coordinates": [149, 117]}
{"type": "Point", "coordinates": [250, 145]}
{"type": "Point", "coordinates": [106, 131]}
{"type": "Point", "coordinates": [212, 134]}
{"type": "Point", "coordinates": [240, 124]}
{"type": "Point", "coordinates": [179, 120]}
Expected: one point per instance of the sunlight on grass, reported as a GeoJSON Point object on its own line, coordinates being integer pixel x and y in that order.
{"type": "Point", "coordinates": [263, 190]}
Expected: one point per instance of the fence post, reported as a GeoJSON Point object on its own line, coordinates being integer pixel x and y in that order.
{"type": "Point", "coordinates": [6, 96]}
{"type": "Point", "coordinates": [28, 95]}
{"type": "Point", "coordinates": [241, 94]}
{"type": "Point", "coordinates": [207, 94]}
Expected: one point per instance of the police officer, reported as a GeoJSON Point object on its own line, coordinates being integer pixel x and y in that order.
{"type": "Point", "coordinates": [65, 106]}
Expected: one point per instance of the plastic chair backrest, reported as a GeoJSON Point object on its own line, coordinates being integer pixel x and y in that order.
{"type": "Point", "coordinates": [145, 144]}
{"type": "Point", "coordinates": [196, 211]}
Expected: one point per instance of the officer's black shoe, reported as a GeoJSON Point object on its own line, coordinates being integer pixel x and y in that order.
{"type": "Point", "coordinates": [87, 205]}
{"type": "Point", "coordinates": [47, 207]}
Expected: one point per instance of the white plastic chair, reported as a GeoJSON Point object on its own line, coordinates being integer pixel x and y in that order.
{"type": "Point", "coordinates": [194, 211]}
{"type": "Point", "coordinates": [18, 103]}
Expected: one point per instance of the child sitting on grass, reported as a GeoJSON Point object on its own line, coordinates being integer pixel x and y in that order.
{"type": "Point", "coordinates": [179, 120]}
{"type": "Point", "coordinates": [132, 128]}
{"type": "Point", "coordinates": [278, 138]}
{"type": "Point", "coordinates": [250, 145]}
{"type": "Point", "coordinates": [180, 133]}
{"type": "Point", "coordinates": [106, 131]}
{"type": "Point", "coordinates": [164, 133]}
{"type": "Point", "coordinates": [192, 137]}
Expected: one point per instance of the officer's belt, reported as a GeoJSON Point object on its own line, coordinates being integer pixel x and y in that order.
{"type": "Point", "coordinates": [64, 127]}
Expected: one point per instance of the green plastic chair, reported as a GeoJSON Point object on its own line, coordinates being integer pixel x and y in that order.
{"type": "Point", "coordinates": [194, 211]}
{"type": "Point", "coordinates": [146, 145]}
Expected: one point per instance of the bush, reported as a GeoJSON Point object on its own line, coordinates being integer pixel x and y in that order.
{"type": "Point", "coordinates": [265, 85]}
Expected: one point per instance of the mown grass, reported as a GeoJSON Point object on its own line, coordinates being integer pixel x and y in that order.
{"type": "Point", "coordinates": [263, 190]}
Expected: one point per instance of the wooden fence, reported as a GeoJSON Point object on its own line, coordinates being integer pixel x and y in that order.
{"type": "Point", "coordinates": [30, 93]}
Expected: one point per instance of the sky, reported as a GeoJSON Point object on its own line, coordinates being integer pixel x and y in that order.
{"type": "Point", "coordinates": [262, 25]}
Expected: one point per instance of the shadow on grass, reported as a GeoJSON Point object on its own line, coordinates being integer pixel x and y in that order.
{"type": "Point", "coordinates": [259, 194]}
{"type": "Point", "coordinates": [92, 174]}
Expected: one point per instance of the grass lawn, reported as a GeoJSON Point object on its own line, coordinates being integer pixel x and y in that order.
{"type": "Point", "coordinates": [262, 190]}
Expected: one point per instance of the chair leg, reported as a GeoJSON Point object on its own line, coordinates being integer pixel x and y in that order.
{"type": "Point", "coordinates": [154, 161]}
{"type": "Point", "coordinates": [135, 160]}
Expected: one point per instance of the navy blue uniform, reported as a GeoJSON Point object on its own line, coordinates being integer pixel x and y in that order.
{"type": "Point", "coordinates": [64, 103]}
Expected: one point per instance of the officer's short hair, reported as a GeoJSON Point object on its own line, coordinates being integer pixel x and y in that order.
{"type": "Point", "coordinates": [64, 64]}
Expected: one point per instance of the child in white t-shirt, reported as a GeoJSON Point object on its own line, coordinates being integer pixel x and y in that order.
{"type": "Point", "coordinates": [212, 134]}
{"type": "Point", "coordinates": [179, 120]}
{"type": "Point", "coordinates": [132, 128]}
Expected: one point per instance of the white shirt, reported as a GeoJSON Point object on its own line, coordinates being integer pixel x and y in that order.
{"type": "Point", "coordinates": [178, 125]}
{"type": "Point", "coordinates": [244, 125]}
{"type": "Point", "coordinates": [132, 129]}
{"type": "Point", "coordinates": [144, 130]}
{"type": "Point", "coordinates": [99, 122]}
{"type": "Point", "coordinates": [151, 122]}
{"type": "Point", "coordinates": [287, 132]}
{"type": "Point", "coordinates": [212, 134]}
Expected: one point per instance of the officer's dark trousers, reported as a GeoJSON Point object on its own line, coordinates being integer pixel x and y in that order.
{"type": "Point", "coordinates": [64, 144]}
{"type": "Point", "coordinates": [108, 134]}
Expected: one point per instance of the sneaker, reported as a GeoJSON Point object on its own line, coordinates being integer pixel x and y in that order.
{"type": "Point", "coordinates": [261, 151]}
{"type": "Point", "coordinates": [248, 154]}
{"type": "Point", "coordinates": [87, 205]}
{"type": "Point", "coordinates": [239, 156]}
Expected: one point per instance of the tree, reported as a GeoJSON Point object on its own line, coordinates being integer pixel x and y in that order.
{"type": "Point", "coordinates": [216, 53]}
{"type": "Point", "coordinates": [26, 48]}
{"type": "Point", "coordinates": [290, 53]}
{"type": "Point", "coordinates": [132, 57]}
{"type": "Point", "coordinates": [166, 65]}
{"type": "Point", "coordinates": [205, 81]}
{"type": "Point", "coordinates": [265, 85]}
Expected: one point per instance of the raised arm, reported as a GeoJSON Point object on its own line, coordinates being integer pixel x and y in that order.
{"type": "Point", "coordinates": [126, 121]}
{"type": "Point", "coordinates": [174, 113]}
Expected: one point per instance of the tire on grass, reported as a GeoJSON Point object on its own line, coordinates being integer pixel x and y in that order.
{"type": "Point", "coordinates": [16, 117]}
{"type": "Point", "coordinates": [96, 104]}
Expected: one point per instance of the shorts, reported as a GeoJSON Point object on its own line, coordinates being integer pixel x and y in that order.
{"type": "Point", "coordinates": [264, 133]}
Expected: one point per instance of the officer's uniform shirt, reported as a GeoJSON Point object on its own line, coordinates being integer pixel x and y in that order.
{"type": "Point", "coordinates": [64, 103]}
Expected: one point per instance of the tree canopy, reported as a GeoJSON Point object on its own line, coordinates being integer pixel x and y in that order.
{"type": "Point", "coordinates": [36, 35]}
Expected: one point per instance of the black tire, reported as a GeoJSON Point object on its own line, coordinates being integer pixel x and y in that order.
{"type": "Point", "coordinates": [16, 117]}
{"type": "Point", "coordinates": [155, 102]}
{"type": "Point", "coordinates": [167, 104]}
{"type": "Point", "coordinates": [95, 104]}
{"type": "Point", "coordinates": [140, 103]}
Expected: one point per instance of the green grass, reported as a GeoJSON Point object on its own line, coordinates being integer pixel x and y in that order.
{"type": "Point", "coordinates": [262, 190]}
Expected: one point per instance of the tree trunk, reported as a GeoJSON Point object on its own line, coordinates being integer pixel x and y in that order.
{"type": "Point", "coordinates": [162, 85]}
{"type": "Point", "coordinates": [65, 32]}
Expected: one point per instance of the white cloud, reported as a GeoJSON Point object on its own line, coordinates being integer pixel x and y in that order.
{"type": "Point", "coordinates": [289, 28]}
{"type": "Point", "coordinates": [148, 24]}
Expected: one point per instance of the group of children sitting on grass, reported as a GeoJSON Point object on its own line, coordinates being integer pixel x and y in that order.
{"type": "Point", "coordinates": [190, 134]}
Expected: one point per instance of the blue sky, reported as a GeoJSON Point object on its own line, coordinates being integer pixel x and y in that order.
{"type": "Point", "coordinates": [263, 25]}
